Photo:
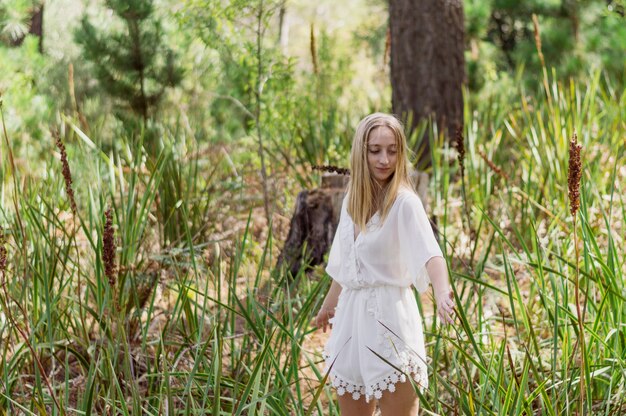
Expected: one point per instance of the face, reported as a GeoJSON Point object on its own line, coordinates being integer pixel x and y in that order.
{"type": "Point", "coordinates": [382, 154]}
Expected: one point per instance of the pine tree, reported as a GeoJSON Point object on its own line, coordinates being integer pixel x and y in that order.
{"type": "Point", "coordinates": [133, 66]}
{"type": "Point", "coordinates": [19, 18]}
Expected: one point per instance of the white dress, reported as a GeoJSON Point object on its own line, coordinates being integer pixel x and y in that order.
{"type": "Point", "coordinates": [377, 334]}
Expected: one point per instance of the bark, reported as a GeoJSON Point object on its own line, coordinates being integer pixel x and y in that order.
{"type": "Point", "coordinates": [312, 226]}
{"type": "Point", "coordinates": [36, 26]}
{"type": "Point", "coordinates": [427, 64]}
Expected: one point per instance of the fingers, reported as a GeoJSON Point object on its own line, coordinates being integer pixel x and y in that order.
{"type": "Point", "coordinates": [447, 316]}
{"type": "Point", "coordinates": [445, 306]}
{"type": "Point", "coordinates": [445, 311]}
{"type": "Point", "coordinates": [317, 322]}
{"type": "Point", "coordinates": [322, 320]}
{"type": "Point", "coordinates": [324, 325]}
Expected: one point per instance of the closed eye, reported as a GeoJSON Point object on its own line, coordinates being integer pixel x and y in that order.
{"type": "Point", "coordinates": [375, 151]}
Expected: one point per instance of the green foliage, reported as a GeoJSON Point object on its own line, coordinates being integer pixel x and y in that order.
{"type": "Point", "coordinates": [576, 37]}
{"type": "Point", "coordinates": [14, 19]}
{"type": "Point", "coordinates": [134, 66]}
{"type": "Point", "coordinates": [28, 106]}
{"type": "Point", "coordinates": [304, 115]}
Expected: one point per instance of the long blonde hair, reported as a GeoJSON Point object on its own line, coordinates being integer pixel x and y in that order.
{"type": "Point", "coordinates": [362, 186]}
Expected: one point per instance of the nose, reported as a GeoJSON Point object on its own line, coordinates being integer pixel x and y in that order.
{"type": "Point", "coordinates": [384, 159]}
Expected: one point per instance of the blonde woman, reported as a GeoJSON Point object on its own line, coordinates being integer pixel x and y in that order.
{"type": "Point", "coordinates": [384, 244]}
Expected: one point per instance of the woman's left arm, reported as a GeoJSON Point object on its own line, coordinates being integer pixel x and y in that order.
{"type": "Point", "coordinates": [438, 274]}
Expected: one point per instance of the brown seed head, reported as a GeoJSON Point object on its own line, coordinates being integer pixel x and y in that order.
{"type": "Point", "coordinates": [3, 252]}
{"type": "Point", "coordinates": [314, 50]}
{"type": "Point", "coordinates": [67, 174]}
{"type": "Point", "coordinates": [108, 248]}
{"type": "Point", "coordinates": [574, 174]}
{"type": "Point", "coordinates": [538, 39]}
{"type": "Point", "coordinates": [459, 144]}
{"type": "Point", "coordinates": [492, 165]}
{"type": "Point", "coordinates": [331, 168]}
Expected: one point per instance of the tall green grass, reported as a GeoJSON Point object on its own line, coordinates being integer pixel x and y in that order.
{"type": "Point", "coordinates": [513, 351]}
{"type": "Point", "coordinates": [196, 323]}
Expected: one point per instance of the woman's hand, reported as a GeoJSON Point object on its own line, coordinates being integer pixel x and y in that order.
{"type": "Point", "coordinates": [445, 305]}
{"type": "Point", "coordinates": [327, 311]}
{"type": "Point", "coordinates": [438, 274]}
{"type": "Point", "coordinates": [323, 316]}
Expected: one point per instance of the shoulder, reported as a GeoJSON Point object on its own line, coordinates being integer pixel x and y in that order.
{"type": "Point", "coordinates": [407, 196]}
{"type": "Point", "coordinates": [408, 203]}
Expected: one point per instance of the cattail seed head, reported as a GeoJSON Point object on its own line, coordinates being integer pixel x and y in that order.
{"type": "Point", "coordinates": [331, 168]}
{"type": "Point", "coordinates": [314, 51]}
{"type": "Point", "coordinates": [67, 174]}
{"type": "Point", "coordinates": [538, 39]}
{"type": "Point", "coordinates": [459, 144]}
{"type": "Point", "coordinates": [574, 174]}
{"type": "Point", "coordinates": [108, 248]}
{"type": "Point", "coordinates": [3, 251]}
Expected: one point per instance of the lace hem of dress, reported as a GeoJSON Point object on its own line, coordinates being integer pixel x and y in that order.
{"type": "Point", "coordinates": [410, 366]}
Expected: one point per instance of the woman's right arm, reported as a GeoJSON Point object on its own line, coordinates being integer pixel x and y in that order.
{"type": "Point", "coordinates": [327, 310]}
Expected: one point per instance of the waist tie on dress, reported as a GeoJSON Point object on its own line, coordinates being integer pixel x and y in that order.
{"type": "Point", "coordinates": [372, 302]}
{"type": "Point", "coordinates": [373, 307]}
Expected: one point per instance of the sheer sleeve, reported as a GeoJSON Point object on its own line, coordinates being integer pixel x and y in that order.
{"type": "Point", "coordinates": [417, 241]}
{"type": "Point", "coordinates": [333, 266]}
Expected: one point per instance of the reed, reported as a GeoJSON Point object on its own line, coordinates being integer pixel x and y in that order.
{"type": "Point", "coordinates": [574, 175]}
{"type": "Point", "coordinates": [459, 145]}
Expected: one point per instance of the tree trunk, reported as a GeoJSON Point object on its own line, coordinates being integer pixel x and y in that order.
{"type": "Point", "coordinates": [427, 65]}
{"type": "Point", "coordinates": [36, 25]}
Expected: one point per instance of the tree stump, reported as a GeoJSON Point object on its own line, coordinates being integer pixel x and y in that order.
{"type": "Point", "coordinates": [315, 218]}
{"type": "Point", "coordinates": [313, 224]}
